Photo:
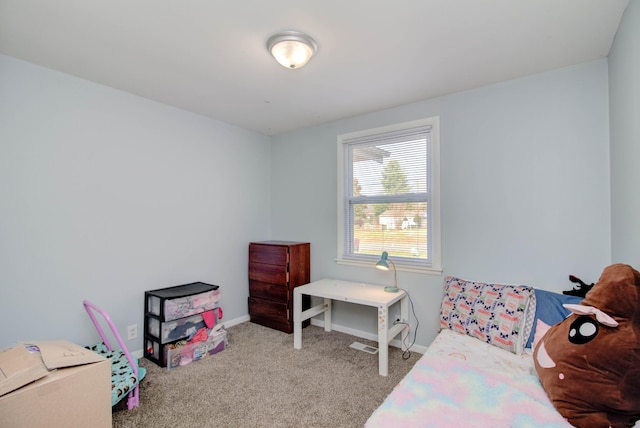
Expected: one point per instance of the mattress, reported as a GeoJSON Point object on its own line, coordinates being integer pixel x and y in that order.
{"type": "Point", "coordinates": [461, 381]}
{"type": "Point", "coordinates": [480, 354]}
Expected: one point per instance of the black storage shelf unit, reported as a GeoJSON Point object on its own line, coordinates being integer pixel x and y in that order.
{"type": "Point", "coordinates": [155, 316]}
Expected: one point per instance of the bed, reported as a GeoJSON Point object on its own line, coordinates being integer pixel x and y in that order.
{"type": "Point", "coordinates": [479, 370]}
{"type": "Point", "coordinates": [461, 381]}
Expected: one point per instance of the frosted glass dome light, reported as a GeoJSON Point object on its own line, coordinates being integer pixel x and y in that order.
{"type": "Point", "coordinates": [291, 48]}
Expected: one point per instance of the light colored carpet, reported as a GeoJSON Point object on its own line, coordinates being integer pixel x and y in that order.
{"type": "Point", "coordinates": [260, 380]}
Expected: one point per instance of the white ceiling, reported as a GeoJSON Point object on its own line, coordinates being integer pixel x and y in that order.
{"type": "Point", "coordinates": [209, 56]}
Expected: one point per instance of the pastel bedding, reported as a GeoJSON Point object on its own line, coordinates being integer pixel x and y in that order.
{"type": "Point", "coordinates": [462, 381]}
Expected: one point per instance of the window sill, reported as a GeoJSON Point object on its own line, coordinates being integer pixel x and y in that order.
{"type": "Point", "coordinates": [399, 266]}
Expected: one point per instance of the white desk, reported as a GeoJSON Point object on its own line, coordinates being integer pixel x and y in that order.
{"type": "Point", "coordinates": [358, 293]}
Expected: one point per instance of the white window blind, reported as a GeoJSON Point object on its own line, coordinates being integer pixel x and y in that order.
{"type": "Point", "coordinates": [387, 195]}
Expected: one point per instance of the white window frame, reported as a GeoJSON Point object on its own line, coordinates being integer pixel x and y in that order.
{"type": "Point", "coordinates": [433, 206]}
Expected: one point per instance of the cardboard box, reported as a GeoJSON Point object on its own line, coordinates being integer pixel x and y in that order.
{"type": "Point", "coordinates": [19, 366]}
{"type": "Point", "coordinates": [73, 386]}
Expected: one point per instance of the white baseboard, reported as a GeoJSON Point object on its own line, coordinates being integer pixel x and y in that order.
{"type": "Point", "coordinates": [236, 321]}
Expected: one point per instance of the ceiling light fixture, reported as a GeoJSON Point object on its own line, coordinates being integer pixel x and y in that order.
{"type": "Point", "coordinates": [292, 49]}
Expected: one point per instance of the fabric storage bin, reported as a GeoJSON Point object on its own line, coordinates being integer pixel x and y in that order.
{"type": "Point", "coordinates": [190, 305]}
{"type": "Point", "coordinates": [181, 356]}
{"type": "Point", "coordinates": [177, 329]}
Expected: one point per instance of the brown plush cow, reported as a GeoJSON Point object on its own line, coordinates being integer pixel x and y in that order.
{"type": "Point", "coordinates": [589, 364]}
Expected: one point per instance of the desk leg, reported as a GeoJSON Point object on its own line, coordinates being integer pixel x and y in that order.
{"type": "Point", "coordinates": [383, 340]}
{"type": "Point", "coordinates": [297, 319]}
{"type": "Point", "coordinates": [327, 315]}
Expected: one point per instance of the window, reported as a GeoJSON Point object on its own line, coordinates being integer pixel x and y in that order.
{"type": "Point", "coordinates": [388, 195]}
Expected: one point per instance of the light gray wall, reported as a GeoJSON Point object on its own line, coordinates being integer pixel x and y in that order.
{"type": "Point", "coordinates": [525, 188]}
{"type": "Point", "coordinates": [624, 88]}
{"type": "Point", "coordinates": [104, 195]}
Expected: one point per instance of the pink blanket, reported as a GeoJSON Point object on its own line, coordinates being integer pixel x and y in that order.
{"type": "Point", "coordinates": [441, 391]}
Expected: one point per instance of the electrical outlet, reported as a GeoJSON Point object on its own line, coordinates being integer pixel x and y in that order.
{"type": "Point", "coordinates": [132, 332]}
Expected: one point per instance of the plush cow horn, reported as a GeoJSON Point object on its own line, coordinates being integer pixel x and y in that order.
{"type": "Point", "coordinates": [590, 310]}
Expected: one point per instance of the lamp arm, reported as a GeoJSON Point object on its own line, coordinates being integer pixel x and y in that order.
{"type": "Point", "coordinates": [395, 274]}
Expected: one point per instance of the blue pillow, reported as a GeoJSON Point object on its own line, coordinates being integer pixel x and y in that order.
{"type": "Point", "coordinates": [549, 309]}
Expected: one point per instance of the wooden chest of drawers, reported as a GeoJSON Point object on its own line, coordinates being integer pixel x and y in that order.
{"type": "Point", "coordinates": [275, 269]}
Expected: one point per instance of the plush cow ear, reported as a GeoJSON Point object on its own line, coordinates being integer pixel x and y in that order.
{"type": "Point", "coordinates": [590, 310]}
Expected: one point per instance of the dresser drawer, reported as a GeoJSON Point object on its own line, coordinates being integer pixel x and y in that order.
{"type": "Point", "coordinates": [269, 291]}
{"type": "Point", "coordinates": [261, 308]}
{"type": "Point", "coordinates": [268, 273]}
{"type": "Point", "coordinates": [268, 254]}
